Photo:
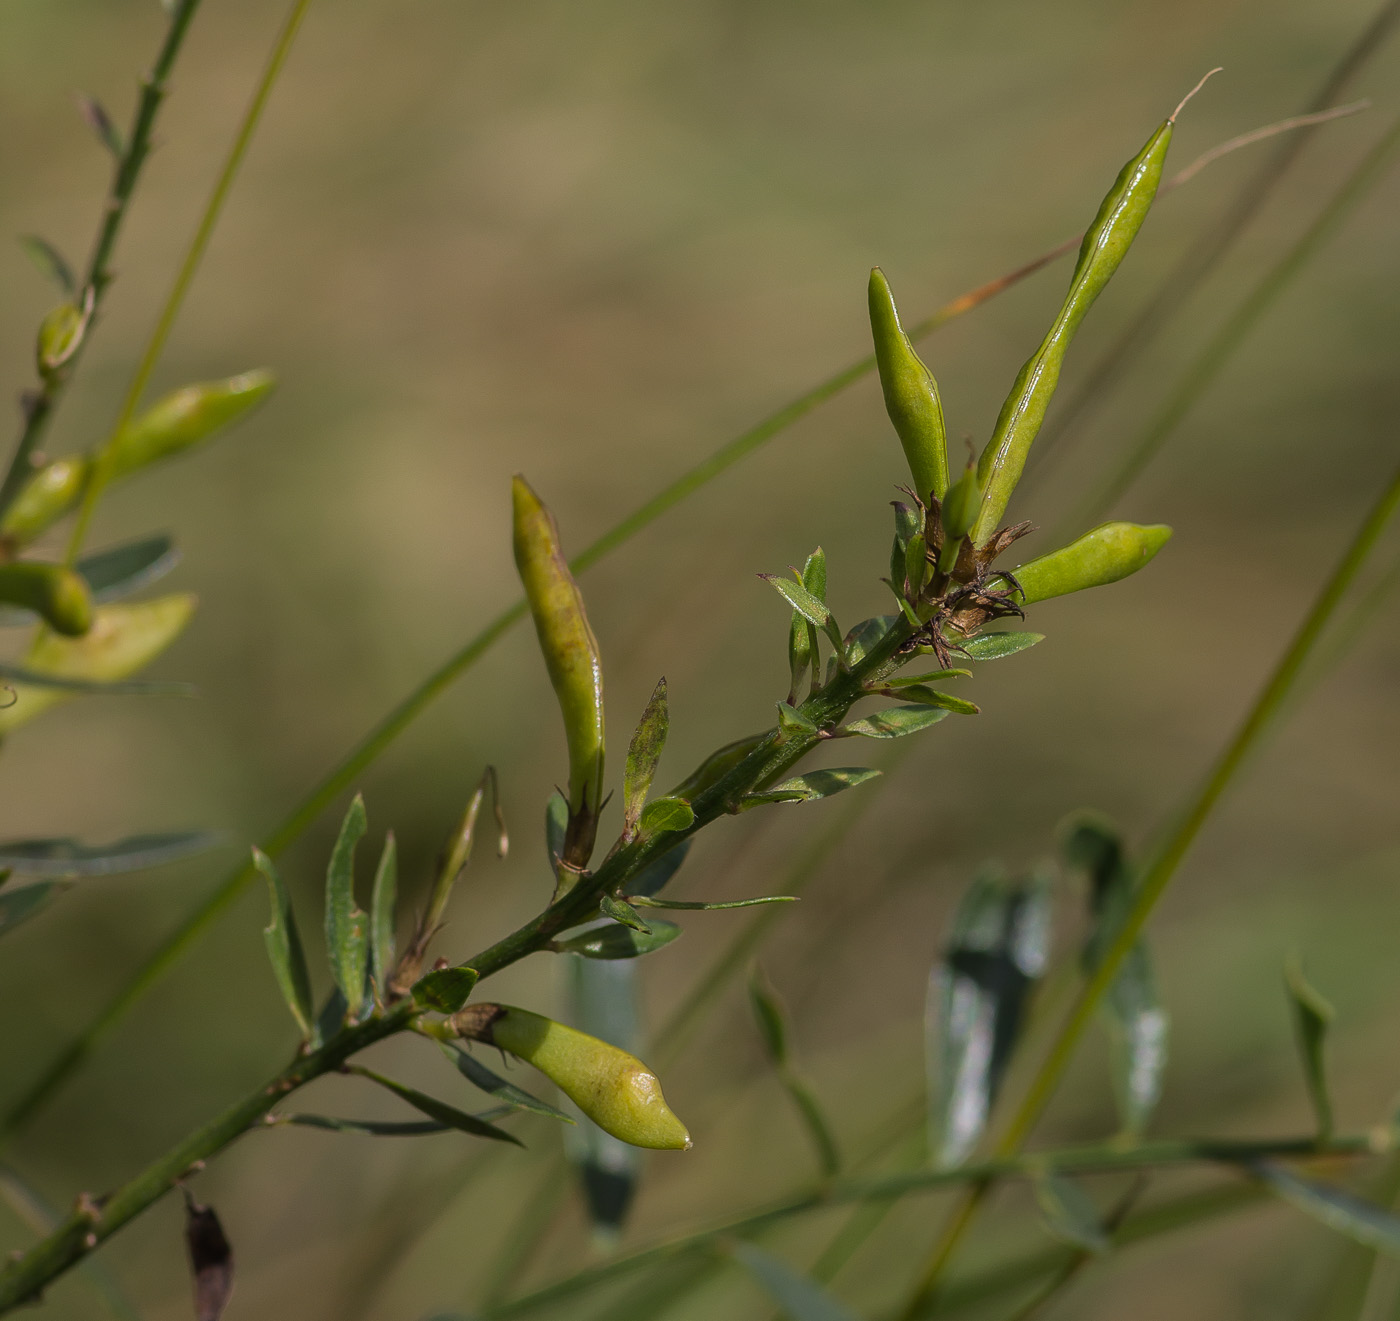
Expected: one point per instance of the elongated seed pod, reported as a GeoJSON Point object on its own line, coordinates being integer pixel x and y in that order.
{"type": "Point", "coordinates": [1104, 555]}
{"type": "Point", "coordinates": [571, 657]}
{"type": "Point", "coordinates": [56, 594]}
{"type": "Point", "coordinates": [1105, 245]}
{"type": "Point", "coordinates": [184, 417]}
{"type": "Point", "coordinates": [614, 1089]}
{"type": "Point", "coordinates": [44, 499]}
{"type": "Point", "coordinates": [911, 394]}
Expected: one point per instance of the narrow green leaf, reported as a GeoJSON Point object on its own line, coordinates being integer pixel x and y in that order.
{"type": "Point", "coordinates": [916, 562]}
{"type": "Point", "coordinates": [347, 939]}
{"type": "Point", "coordinates": [621, 911]}
{"type": "Point", "coordinates": [96, 118]}
{"type": "Point", "coordinates": [18, 906]}
{"type": "Point", "coordinates": [802, 654]}
{"type": "Point", "coordinates": [284, 948]}
{"type": "Point", "coordinates": [49, 262]}
{"type": "Point", "coordinates": [643, 754]}
{"type": "Point", "coordinates": [619, 942]}
{"type": "Point", "coordinates": [926, 696]}
{"type": "Point", "coordinates": [331, 1017]}
{"type": "Point", "coordinates": [814, 574]}
{"type": "Point", "coordinates": [67, 857]}
{"type": "Point", "coordinates": [932, 676]}
{"type": "Point", "coordinates": [383, 902]}
{"type": "Point", "coordinates": [1312, 1016]}
{"type": "Point", "coordinates": [993, 646]}
{"type": "Point", "coordinates": [445, 989]}
{"type": "Point", "coordinates": [768, 1013]}
{"type": "Point", "coordinates": [411, 1128]}
{"type": "Point", "coordinates": [895, 722]}
{"type": "Point", "coordinates": [792, 721]}
{"type": "Point", "coordinates": [824, 783]}
{"type": "Point", "coordinates": [1069, 1213]}
{"type": "Point", "coordinates": [508, 1094]}
{"type": "Point", "coordinates": [801, 1298]}
{"type": "Point", "coordinates": [440, 1110]}
{"type": "Point", "coordinates": [800, 599]}
{"type": "Point", "coordinates": [97, 687]}
{"type": "Point", "coordinates": [666, 814]}
{"type": "Point", "coordinates": [1335, 1207]}
{"type": "Point", "coordinates": [700, 906]}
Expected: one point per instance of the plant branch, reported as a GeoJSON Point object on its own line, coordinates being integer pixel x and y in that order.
{"type": "Point", "coordinates": [39, 406]}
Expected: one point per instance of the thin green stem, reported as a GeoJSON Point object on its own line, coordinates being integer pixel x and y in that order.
{"type": "Point", "coordinates": [213, 209]}
{"type": "Point", "coordinates": [40, 405]}
{"type": "Point", "coordinates": [1160, 872]}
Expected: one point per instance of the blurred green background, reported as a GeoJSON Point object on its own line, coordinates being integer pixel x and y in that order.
{"type": "Point", "coordinates": [590, 243]}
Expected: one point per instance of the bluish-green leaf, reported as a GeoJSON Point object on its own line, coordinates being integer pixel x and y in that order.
{"type": "Point", "coordinates": [799, 1297]}
{"type": "Point", "coordinates": [440, 1110]}
{"type": "Point", "coordinates": [895, 722]}
{"type": "Point", "coordinates": [666, 814]}
{"type": "Point", "coordinates": [993, 646]}
{"type": "Point", "coordinates": [621, 911]}
{"type": "Point", "coordinates": [1348, 1214]}
{"type": "Point", "coordinates": [1069, 1212]}
{"type": "Point", "coordinates": [347, 933]}
{"type": "Point", "coordinates": [19, 905]}
{"type": "Point", "coordinates": [445, 990]}
{"type": "Point", "coordinates": [113, 574]}
{"type": "Point", "coordinates": [284, 948]}
{"type": "Point", "coordinates": [67, 857]}
{"type": "Point", "coordinates": [508, 1094]}
{"type": "Point", "coordinates": [643, 754]}
{"type": "Point", "coordinates": [926, 696]}
{"type": "Point", "coordinates": [658, 873]}
{"type": "Point", "coordinates": [978, 990]}
{"type": "Point", "coordinates": [615, 941]}
{"type": "Point", "coordinates": [1312, 1016]}
{"type": "Point", "coordinates": [383, 903]}
{"type": "Point", "coordinates": [556, 822]}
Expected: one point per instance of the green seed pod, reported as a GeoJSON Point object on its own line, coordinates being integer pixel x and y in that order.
{"type": "Point", "coordinates": [56, 594]}
{"type": "Point", "coordinates": [614, 1089]}
{"type": "Point", "coordinates": [60, 336]}
{"type": "Point", "coordinates": [185, 417]}
{"type": "Point", "coordinates": [1105, 245]}
{"type": "Point", "coordinates": [911, 394]}
{"type": "Point", "coordinates": [1108, 553]}
{"type": "Point", "coordinates": [571, 656]}
{"type": "Point", "coordinates": [44, 499]}
{"type": "Point", "coordinates": [123, 638]}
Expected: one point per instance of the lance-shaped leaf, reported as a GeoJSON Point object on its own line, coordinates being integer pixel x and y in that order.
{"type": "Point", "coordinates": [408, 1128]}
{"type": "Point", "coordinates": [284, 948]}
{"type": "Point", "coordinates": [666, 814]}
{"type": "Point", "coordinates": [112, 574]}
{"type": "Point", "coordinates": [508, 1094]}
{"type": "Point", "coordinates": [931, 676]}
{"type": "Point", "coordinates": [50, 263]}
{"type": "Point", "coordinates": [17, 674]}
{"type": "Point", "coordinates": [1312, 1016]}
{"type": "Point", "coordinates": [1358, 1219]}
{"type": "Point", "coordinates": [602, 998]}
{"type": "Point", "coordinates": [347, 933]}
{"type": "Point", "coordinates": [978, 991]}
{"type": "Point", "coordinates": [1138, 1025]}
{"type": "Point", "coordinates": [95, 116]}
{"type": "Point", "coordinates": [1069, 1212]}
{"type": "Point", "coordinates": [642, 901]}
{"type": "Point", "coordinates": [439, 1110]}
{"type": "Point", "coordinates": [69, 857]}
{"type": "Point", "coordinates": [19, 905]}
{"type": "Point", "coordinates": [993, 646]}
{"type": "Point", "coordinates": [926, 696]}
{"type": "Point", "coordinates": [810, 607]}
{"type": "Point", "coordinates": [895, 722]}
{"type": "Point", "coordinates": [813, 785]}
{"type": "Point", "coordinates": [623, 912]}
{"type": "Point", "coordinates": [861, 640]}
{"type": "Point", "coordinates": [643, 754]}
{"type": "Point", "coordinates": [793, 723]}
{"type": "Point", "coordinates": [445, 989]}
{"type": "Point", "coordinates": [615, 941]}
{"type": "Point", "coordinates": [799, 1297]}
{"type": "Point", "coordinates": [382, 905]}
{"type": "Point", "coordinates": [123, 638]}
{"type": "Point", "coordinates": [211, 1260]}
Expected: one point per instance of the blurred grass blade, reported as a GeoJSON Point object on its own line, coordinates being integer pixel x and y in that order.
{"type": "Point", "coordinates": [643, 754]}
{"type": "Point", "coordinates": [383, 905]}
{"type": "Point", "coordinates": [995, 953]}
{"type": "Point", "coordinates": [1360, 1220]}
{"type": "Point", "coordinates": [800, 1298]}
{"type": "Point", "coordinates": [1312, 1016]}
{"type": "Point", "coordinates": [97, 687]}
{"type": "Point", "coordinates": [284, 949]}
{"type": "Point", "coordinates": [347, 934]}
{"type": "Point", "coordinates": [1069, 1212]}
{"type": "Point", "coordinates": [68, 857]}
{"type": "Point", "coordinates": [19, 905]}
{"type": "Point", "coordinates": [476, 1073]}
{"type": "Point", "coordinates": [439, 1110]}
{"type": "Point", "coordinates": [50, 263]}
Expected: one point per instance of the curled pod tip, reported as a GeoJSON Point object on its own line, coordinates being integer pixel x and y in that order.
{"type": "Point", "coordinates": [1104, 555]}
{"type": "Point", "coordinates": [911, 393]}
{"type": "Point", "coordinates": [58, 595]}
{"type": "Point", "coordinates": [613, 1088]}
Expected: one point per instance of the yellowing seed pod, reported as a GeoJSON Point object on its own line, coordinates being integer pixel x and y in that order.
{"type": "Point", "coordinates": [570, 655]}
{"type": "Point", "coordinates": [56, 594]}
{"type": "Point", "coordinates": [44, 499]}
{"type": "Point", "coordinates": [1104, 555]}
{"type": "Point", "coordinates": [614, 1089]}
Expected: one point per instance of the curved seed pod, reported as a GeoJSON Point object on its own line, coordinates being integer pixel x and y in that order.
{"type": "Point", "coordinates": [58, 595]}
{"type": "Point", "coordinates": [1108, 553]}
{"type": "Point", "coordinates": [571, 656]}
{"type": "Point", "coordinates": [911, 394]}
{"type": "Point", "coordinates": [614, 1089]}
{"type": "Point", "coordinates": [716, 766]}
{"type": "Point", "coordinates": [1105, 245]}
{"type": "Point", "coordinates": [123, 638]}
{"type": "Point", "coordinates": [185, 417]}
{"type": "Point", "coordinates": [60, 336]}
{"type": "Point", "coordinates": [45, 498]}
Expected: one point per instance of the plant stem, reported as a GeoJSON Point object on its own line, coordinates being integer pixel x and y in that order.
{"type": "Point", "coordinates": [40, 405]}
{"type": "Point", "coordinates": [1161, 870]}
